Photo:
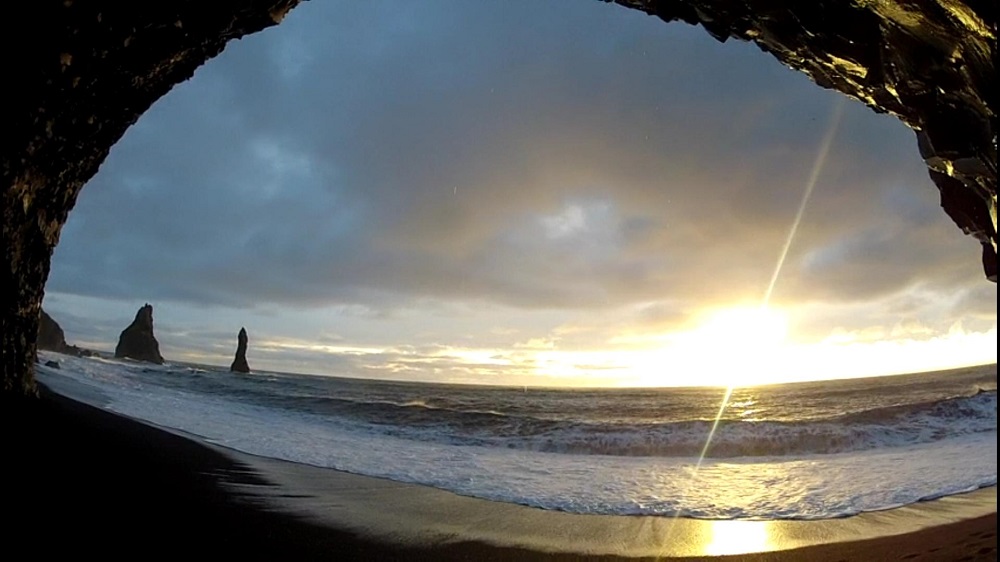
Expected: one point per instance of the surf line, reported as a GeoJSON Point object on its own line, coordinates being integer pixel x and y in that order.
{"type": "Point", "coordinates": [818, 164]}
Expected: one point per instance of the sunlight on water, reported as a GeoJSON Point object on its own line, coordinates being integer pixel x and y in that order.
{"type": "Point", "coordinates": [715, 426]}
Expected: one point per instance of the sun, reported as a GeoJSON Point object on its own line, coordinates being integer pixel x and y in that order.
{"type": "Point", "coordinates": [726, 347]}
{"type": "Point", "coordinates": [742, 328]}
{"type": "Point", "coordinates": [735, 346]}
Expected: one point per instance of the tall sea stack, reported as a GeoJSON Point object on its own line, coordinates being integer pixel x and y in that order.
{"type": "Point", "coordinates": [137, 341]}
{"type": "Point", "coordinates": [240, 362]}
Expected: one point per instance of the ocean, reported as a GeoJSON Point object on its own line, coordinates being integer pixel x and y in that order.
{"type": "Point", "coordinates": [796, 451]}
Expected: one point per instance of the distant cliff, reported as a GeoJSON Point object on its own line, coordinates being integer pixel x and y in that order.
{"type": "Point", "coordinates": [52, 338]}
{"type": "Point", "coordinates": [137, 341]}
{"type": "Point", "coordinates": [240, 364]}
{"type": "Point", "coordinates": [50, 334]}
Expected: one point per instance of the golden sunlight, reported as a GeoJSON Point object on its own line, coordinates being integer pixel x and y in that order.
{"type": "Point", "coordinates": [745, 346]}
{"type": "Point", "coordinates": [726, 347]}
{"type": "Point", "coordinates": [746, 330]}
{"type": "Point", "coordinates": [738, 537]}
{"type": "Point", "coordinates": [729, 347]}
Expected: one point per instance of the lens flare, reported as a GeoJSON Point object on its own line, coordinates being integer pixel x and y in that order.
{"type": "Point", "coordinates": [821, 155]}
{"type": "Point", "coordinates": [818, 163]}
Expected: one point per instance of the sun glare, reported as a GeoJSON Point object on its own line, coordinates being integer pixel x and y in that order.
{"type": "Point", "coordinates": [749, 329]}
{"type": "Point", "coordinates": [739, 537]}
{"type": "Point", "coordinates": [730, 346]}
{"type": "Point", "coordinates": [735, 346]}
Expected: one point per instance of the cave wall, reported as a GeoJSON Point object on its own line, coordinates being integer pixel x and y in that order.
{"type": "Point", "coordinates": [85, 71]}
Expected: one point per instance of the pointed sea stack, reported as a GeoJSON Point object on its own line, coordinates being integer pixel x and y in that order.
{"type": "Point", "coordinates": [240, 362]}
{"type": "Point", "coordinates": [137, 341]}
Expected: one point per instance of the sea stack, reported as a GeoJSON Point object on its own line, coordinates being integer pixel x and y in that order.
{"type": "Point", "coordinates": [137, 341]}
{"type": "Point", "coordinates": [240, 362]}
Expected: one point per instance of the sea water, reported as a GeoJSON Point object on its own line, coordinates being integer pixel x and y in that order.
{"type": "Point", "coordinates": [796, 451]}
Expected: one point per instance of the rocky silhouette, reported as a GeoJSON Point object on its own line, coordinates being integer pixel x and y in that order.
{"type": "Point", "coordinates": [137, 341]}
{"type": "Point", "coordinates": [50, 334]}
{"type": "Point", "coordinates": [52, 338]}
{"type": "Point", "coordinates": [240, 362]}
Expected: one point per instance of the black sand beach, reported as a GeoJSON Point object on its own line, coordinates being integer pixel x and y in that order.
{"type": "Point", "coordinates": [83, 481]}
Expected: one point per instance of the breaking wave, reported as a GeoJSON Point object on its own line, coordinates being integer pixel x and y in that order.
{"type": "Point", "coordinates": [884, 427]}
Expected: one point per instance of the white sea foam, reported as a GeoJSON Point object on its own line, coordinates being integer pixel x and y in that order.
{"type": "Point", "coordinates": [802, 487]}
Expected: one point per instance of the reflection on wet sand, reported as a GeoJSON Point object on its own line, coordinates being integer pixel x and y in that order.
{"type": "Point", "coordinates": [739, 537]}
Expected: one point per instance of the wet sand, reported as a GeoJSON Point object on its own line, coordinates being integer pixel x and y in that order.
{"type": "Point", "coordinates": [80, 480]}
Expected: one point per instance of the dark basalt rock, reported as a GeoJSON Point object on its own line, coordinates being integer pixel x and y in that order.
{"type": "Point", "coordinates": [240, 361]}
{"type": "Point", "coordinates": [137, 341]}
{"type": "Point", "coordinates": [85, 71]}
{"type": "Point", "coordinates": [52, 338]}
{"type": "Point", "coordinates": [50, 334]}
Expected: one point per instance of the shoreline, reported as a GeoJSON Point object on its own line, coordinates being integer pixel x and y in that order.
{"type": "Point", "coordinates": [176, 491]}
{"type": "Point", "coordinates": [423, 515]}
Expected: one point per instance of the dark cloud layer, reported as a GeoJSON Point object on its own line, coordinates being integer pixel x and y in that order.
{"type": "Point", "coordinates": [517, 154]}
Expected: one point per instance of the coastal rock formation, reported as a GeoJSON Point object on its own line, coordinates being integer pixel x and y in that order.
{"type": "Point", "coordinates": [240, 362]}
{"type": "Point", "coordinates": [50, 334]}
{"type": "Point", "coordinates": [86, 71]}
{"type": "Point", "coordinates": [137, 341]}
{"type": "Point", "coordinates": [52, 338]}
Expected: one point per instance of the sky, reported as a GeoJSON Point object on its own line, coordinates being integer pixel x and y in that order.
{"type": "Point", "coordinates": [536, 193]}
